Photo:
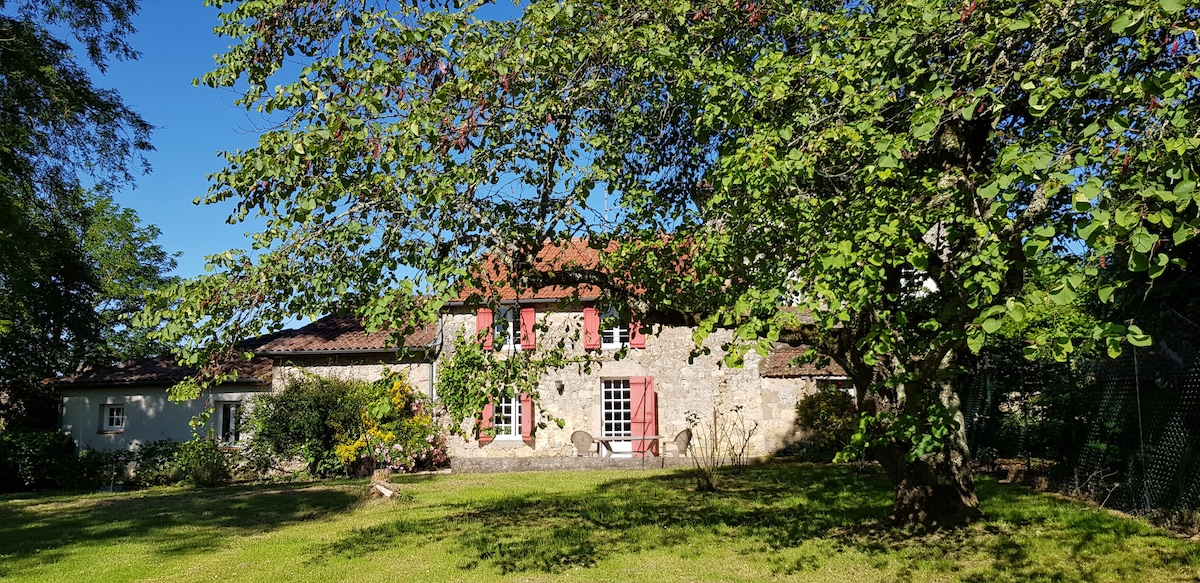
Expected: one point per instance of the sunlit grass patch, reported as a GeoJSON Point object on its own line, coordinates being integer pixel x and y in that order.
{"type": "Point", "coordinates": [788, 522]}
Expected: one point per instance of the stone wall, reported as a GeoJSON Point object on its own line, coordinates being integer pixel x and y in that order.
{"type": "Point", "coordinates": [363, 368]}
{"type": "Point", "coordinates": [684, 384]}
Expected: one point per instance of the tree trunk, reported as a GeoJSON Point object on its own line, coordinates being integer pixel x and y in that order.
{"type": "Point", "coordinates": [935, 490]}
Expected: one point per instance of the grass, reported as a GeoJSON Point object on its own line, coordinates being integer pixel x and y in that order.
{"type": "Point", "coordinates": [783, 522]}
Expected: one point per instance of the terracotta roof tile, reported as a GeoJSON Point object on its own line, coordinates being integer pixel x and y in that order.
{"type": "Point", "coordinates": [341, 333]}
{"type": "Point", "coordinates": [778, 364]}
{"type": "Point", "coordinates": [569, 254]}
{"type": "Point", "coordinates": [165, 369]}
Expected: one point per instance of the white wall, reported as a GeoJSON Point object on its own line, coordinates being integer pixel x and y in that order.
{"type": "Point", "coordinates": [149, 414]}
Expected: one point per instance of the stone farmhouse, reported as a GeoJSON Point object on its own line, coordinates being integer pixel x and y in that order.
{"type": "Point", "coordinates": [645, 385]}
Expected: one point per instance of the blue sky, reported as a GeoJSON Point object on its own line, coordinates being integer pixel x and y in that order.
{"type": "Point", "coordinates": [193, 124]}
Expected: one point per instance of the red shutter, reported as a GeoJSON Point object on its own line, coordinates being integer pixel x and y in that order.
{"type": "Point", "coordinates": [636, 338]}
{"type": "Point", "coordinates": [528, 334]}
{"type": "Point", "coordinates": [483, 327]}
{"type": "Point", "coordinates": [526, 417]}
{"type": "Point", "coordinates": [591, 329]}
{"type": "Point", "coordinates": [489, 415]}
{"type": "Point", "coordinates": [644, 405]}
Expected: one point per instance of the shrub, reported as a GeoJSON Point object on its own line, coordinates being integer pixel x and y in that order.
{"type": "Point", "coordinates": [308, 419]}
{"type": "Point", "coordinates": [831, 418]}
{"type": "Point", "coordinates": [34, 460]}
{"type": "Point", "coordinates": [398, 430]}
{"type": "Point", "coordinates": [201, 462]}
{"type": "Point", "coordinates": [156, 463]}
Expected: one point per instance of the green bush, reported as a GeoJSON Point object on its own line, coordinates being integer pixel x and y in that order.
{"type": "Point", "coordinates": [831, 418]}
{"type": "Point", "coordinates": [201, 462]}
{"type": "Point", "coordinates": [156, 463]}
{"type": "Point", "coordinates": [308, 419]}
{"type": "Point", "coordinates": [36, 460]}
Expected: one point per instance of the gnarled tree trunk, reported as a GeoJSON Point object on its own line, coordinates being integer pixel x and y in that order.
{"type": "Point", "coordinates": [935, 489]}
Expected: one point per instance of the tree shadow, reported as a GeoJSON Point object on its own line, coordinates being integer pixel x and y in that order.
{"type": "Point", "coordinates": [42, 528]}
{"type": "Point", "coordinates": [778, 506]}
{"type": "Point", "coordinates": [774, 508]}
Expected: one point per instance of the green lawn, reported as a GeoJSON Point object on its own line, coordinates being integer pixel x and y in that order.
{"type": "Point", "coordinates": [782, 522]}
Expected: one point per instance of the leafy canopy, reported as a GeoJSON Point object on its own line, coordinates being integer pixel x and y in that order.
{"type": "Point", "coordinates": [893, 171]}
{"type": "Point", "coordinates": [73, 264]}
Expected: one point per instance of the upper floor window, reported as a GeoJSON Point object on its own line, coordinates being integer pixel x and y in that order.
{"type": "Point", "coordinates": [614, 333]}
{"type": "Point", "coordinates": [507, 328]}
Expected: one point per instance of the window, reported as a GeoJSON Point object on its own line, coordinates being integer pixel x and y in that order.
{"type": "Point", "coordinates": [507, 329]}
{"type": "Point", "coordinates": [610, 331]}
{"type": "Point", "coordinates": [112, 418]}
{"type": "Point", "coordinates": [228, 423]}
{"type": "Point", "coordinates": [841, 384]}
{"type": "Point", "coordinates": [615, 333]}
{"type": "Point", "coordinates": [506, 419]}
{"type": "Point", "coordinates": [616, 408]}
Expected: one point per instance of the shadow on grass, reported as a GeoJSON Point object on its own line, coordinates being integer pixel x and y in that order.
{"type": "Point", "coordinates": [775, 506]}
{"type": "Point", "coordinates": [45, 526]}
{"type": "Point", "coordinates": [766, 510]}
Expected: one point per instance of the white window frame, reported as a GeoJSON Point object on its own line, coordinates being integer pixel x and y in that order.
{"type": "Point", "coordinates": [843, 384]}
{"type": "Point", "coordinates": [222, 418]}
{"type": "Point", "coordinates": [506, 418]}
{"type": "Point", "coordinates": [113, 418]}
{"type": "Point", "coordinates": [615, 337]}
{"type": "Point", "coordinates": [616, 408]}
{"type": "Point", "coordinates": [506, 328]}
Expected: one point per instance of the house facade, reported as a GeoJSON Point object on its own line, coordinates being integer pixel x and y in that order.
{"type": "Point", "coordinates": [644, 384]}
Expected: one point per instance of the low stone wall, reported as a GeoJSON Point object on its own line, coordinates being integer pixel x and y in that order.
{"type": "Point", "coordinates": [536, 464]}
{"type": "Point", "coordinates": [533, 464]}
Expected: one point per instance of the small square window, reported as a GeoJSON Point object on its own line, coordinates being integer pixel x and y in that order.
{"type": "Point", "coordinates": [112, 418]}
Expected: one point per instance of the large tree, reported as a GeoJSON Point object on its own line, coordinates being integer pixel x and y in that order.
{"type": "Point", "coordinates": [73, 264]}
{"type": "Point", "coordinates": [878, 179]}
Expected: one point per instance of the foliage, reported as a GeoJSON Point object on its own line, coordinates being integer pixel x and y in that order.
{"type": "Point", "coordinates": [831, 417]}
{"type": "Point", "coordinates": [398, 430]}
{"type": "Point", "coordinates": [73, 264]}
{"type": "Point", "coordinates": [309, 419]}
{"type": "Point", "coordinates": [341, 427]}
{"type": "Point", "coordinates": [473, 376]}
{"type": "Point", "coordinates": [896, 171]}
{"type": "Point", "coordinates": [716, 442]}
{"type": "Point", "coordinates": [200, 461]}
{"type": "Point", "coordinates": [156, 463]}
{"type": "Point", "coordinates": [35, 460]}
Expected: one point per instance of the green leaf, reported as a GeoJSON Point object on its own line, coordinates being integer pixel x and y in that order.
{"type": "Point", "coordinates": [1124, 21]}
{"type": "Point", "coordinates": [1106, 293]}
{"type": "Point", "coordinates": [1064, 296]}
{"type": "Point", "coordinates": [991, 325]}
{"type": "Point", "coordinates": [1142, 240]}
{"type": "Point", "coordinates": [975, 341]}
{"type": "Point", "coordinates": [1171, 6]}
